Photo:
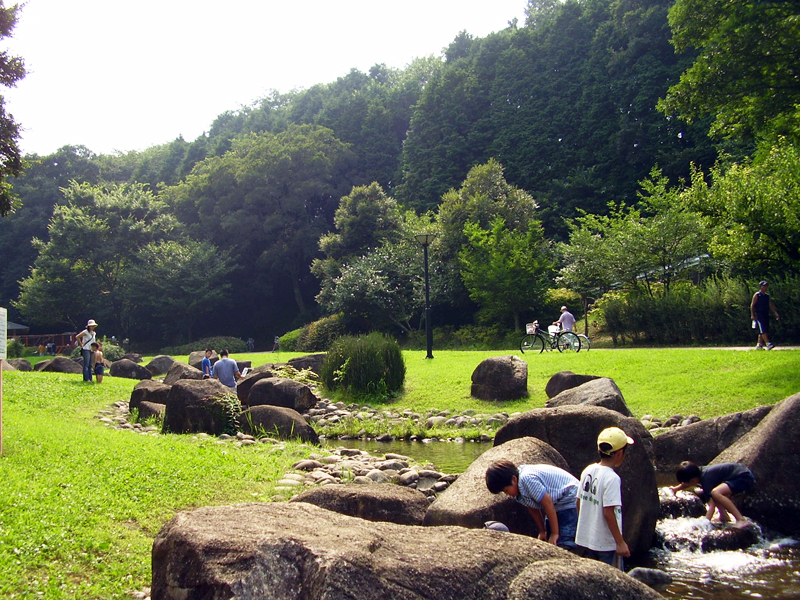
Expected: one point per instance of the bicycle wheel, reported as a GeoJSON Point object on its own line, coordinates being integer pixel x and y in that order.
{"type": "Point", "coordinates": [568, 342]}
{"type": "Point", "coordinates": [586, 343]}
{"type": "Point", "coordinates": [532, 343]}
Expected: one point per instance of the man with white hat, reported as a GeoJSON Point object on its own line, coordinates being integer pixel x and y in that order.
{"type": "Point", "coordinates": [566, 321]}
{"type": "Point", "coordinates": [599, 531]}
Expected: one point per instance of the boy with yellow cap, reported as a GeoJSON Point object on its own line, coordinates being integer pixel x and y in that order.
{"type": "Point", "coordinates": [599, 531]}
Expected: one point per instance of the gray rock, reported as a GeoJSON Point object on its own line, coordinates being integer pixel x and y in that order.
{"type": "Point", "coordinates": [276, 550]}
{"type": "Point", "coordinates": [60, 364]}
{"type": "Point", "coordinates": [770, 451]}
{"type": "Point", "coordinates": [500, 378]}
{"type": "Point", "coordinates": [597, 392]}
{"type": "Point", "coordinates": [700, 442]}
{"type": "Point", "coordinates": [195, 406]}
{"type": "Point", "coordinates": [20, 364]}
{"type": "Point", "coordinates": [129, 369]}
{"type": "Point", "coordinates": [179, 371]}
{"type": "Point", "coordinates": [277, 391]}
{"type": "Point", "coordinates": [149, 410]}
{"type": "Point", "coordinates": [654, 578]}
{"type": "Point", "coordinates": [7, 366]}
{"type": "Point", "coordinates": [683, 504]}
{"type": "Point", "coordinates": [148, 390]}
{"type": "Point", "coordinates": [196, 358]}
{"type": "Point", "coordinates": [572, 431]}
{"type": "Point", "coordinates": [309, 361]}
{"type": "Point", "coordinates": [245, 384]}
{"type": "Point", "coordinates": [276, 421]}
{"type": "Point", "coordinates": [565, 380]}
{"type": "Point", "coordinates": [391, 503]}
{"type": "Point", "coordinates": [160, 364]}
{"type": "Point", "coordinates": [468, 503]}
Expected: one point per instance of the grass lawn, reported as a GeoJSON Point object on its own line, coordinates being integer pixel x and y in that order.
{"type": "Point", "coordinates": [81, 503]}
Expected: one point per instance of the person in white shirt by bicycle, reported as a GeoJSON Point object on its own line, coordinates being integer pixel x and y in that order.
{"type": "Point", "coordinates": [566, 321]}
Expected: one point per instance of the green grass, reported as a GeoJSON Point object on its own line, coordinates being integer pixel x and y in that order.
{"type": "Point", "coordinates": [81, 503]}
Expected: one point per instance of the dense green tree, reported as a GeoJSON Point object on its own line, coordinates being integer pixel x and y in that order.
{"type": "Point", "coordinates": [93, 240]}
{"type": "Point", "coordinates": [365, 219]}
{"type": "Point", "coordinates": [753, 209]}
{"type": "Point", "coordinates": [39, 189]}
{"type": "Point", "coordinates": [12, 69]}
{"type": "Point", "coordinates": [747, 70]}
{"type": "Point", "coordinates": [268, 200]}
{"type": "Point", "coordinates": [505, 271]}
{"type": "Point", "coordinates": [173, 285]}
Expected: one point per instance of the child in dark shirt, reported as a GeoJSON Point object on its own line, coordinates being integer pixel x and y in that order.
{"type": "Point", "coordinates": [718, 483]}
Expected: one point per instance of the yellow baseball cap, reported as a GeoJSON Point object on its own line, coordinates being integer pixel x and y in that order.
{"type": "Point", "coordinates": [614, 437]}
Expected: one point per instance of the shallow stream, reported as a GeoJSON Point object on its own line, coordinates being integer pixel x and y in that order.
{"type": "Point", "coordinates": [768, 569]}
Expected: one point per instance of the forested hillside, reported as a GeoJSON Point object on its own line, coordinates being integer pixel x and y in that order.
{"type": "Point", "coordinates": [555, 153]}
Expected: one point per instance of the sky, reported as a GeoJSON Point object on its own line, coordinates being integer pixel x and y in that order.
{"type": "Point", "coordinates": [117, 76]}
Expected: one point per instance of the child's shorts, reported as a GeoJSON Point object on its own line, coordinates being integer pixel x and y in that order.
{"type": "Point", "coordinates": [741, 483]}
{"type": "Point", "coordinates": [98, 369]}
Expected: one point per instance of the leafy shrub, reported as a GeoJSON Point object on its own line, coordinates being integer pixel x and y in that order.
{"type": "Point", "coordinates": [233, 344]}
{"type": "Point", "coordinates": [319, 335]}
{"type": "Point", "coordinates": [15, 349]}
{"type": "Point", "coordinates": [468, 337]}
{"type": "Point", "coordinates": [288, 341]}
{"type": "Point", "coordinates": [365, 367]}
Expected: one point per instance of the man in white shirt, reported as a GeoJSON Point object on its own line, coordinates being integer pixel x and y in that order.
{"type": "Point", "coordinates": [566, 320]}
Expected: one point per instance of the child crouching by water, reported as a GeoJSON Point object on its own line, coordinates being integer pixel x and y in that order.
{"type": "Point", "coordinates": [546, 491]}
{"type": "Point", "coordinates": [718, 483]}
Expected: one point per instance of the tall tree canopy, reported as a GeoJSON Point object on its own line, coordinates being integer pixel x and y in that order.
{"type": "Point", "coordinates": [747, 71]}
{"type": "Point", "coordinates": [12, 70]}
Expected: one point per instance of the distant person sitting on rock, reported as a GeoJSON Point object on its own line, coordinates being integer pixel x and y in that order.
{"type": "Point", "coordinates": [718, 483]}
{"type": "Point", "coordinates": [566, 321]}
{"type": "Point", "coordinates": [206, 366]}
{"type": "Point", "coordinates": [226, 370]}
{"type": "Point", "coordinates": [546, 491]}
{"type": "Point", "coordinates": [600, 501]}
{"type": "Point", "coordinates": [97, 361]}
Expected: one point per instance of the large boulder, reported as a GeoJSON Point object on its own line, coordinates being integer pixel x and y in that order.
{"type": "Point", "coordinates": [195, 406]}
{"type": "Point", "coordinates": [244, 384]}
{"type": "Point", "coordinates": [500, 378]}
{"type": "Point", "coordinates": [129, 369]}
{"type": "Point", "coordinates": [770, 451]}
{"type": "Point", "coordinates": [160, 364]}
{"type": "Point", "coordinates": [392, 503]}
{"type": "Point", "coordinates": [137, 358]}
{"type": "Point", "coordinates": [20, 364]}
{"type": "Point", "coordinates": [309, 361]}
{"type": "Point", "coordinates": [196, 358]}
{"type": "Point", "coordinates": [179, 371]}
{"type": "Point", "coordinates": [565, 380]}
{"type": "Point", "coordinates": [276, 421]}
{"type": "Point", "coordinates": [61, 364]}
{"type": "Point", "coordinates": [572, 431]}
{"type": "Point", "coordinates": [596, 392]}
{"type": "Point", "coordinates": [39, 366]}
{"type": "Point", "coordinates": [151, 410]}
{"type": "Point", "coordinates": [468, 502]}
{"type": "Point", "coordinates": [277, 391]}
{"type": "Point", "coordinates": [289, 550]}
{"type": "Point", "coordinates": [700, 442]}
{"type": "Point", "coordinates": [148, 390]}
{"type": "Point", "coordinates": [6, 366]}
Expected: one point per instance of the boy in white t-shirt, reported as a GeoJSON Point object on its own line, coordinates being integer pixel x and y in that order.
{"type": "Point", "coordinates": [599, 531]}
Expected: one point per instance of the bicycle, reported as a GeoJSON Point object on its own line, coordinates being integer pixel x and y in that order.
{"type": "Point", "coordinates": [586, 343]}
{"type": "Point", "coordinates": [537, 340]}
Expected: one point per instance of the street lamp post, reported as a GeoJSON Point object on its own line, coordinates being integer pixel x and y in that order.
{"type": "Point", "coordinates": [425, 239]}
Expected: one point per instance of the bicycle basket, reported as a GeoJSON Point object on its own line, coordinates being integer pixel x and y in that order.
{"type": "Point", "coordinates": [553, 329]}
{"type": "Point", "coordinates": [530, 327]}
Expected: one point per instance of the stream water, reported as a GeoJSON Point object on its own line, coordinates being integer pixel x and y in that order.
{"type": "Point", "coordinates": [768, 569]}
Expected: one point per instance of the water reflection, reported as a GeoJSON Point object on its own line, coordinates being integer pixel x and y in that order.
{"type": "Point", "coordinates": [447, 457]}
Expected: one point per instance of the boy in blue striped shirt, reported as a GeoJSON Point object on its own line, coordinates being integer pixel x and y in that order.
{"type": "Point", "coordinates": [547, 492]}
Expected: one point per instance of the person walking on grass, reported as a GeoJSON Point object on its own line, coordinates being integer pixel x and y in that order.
{"type": "Point", "coordinates": [760, 308]}
{"type": "Point", "coordinates": [546, 491]}
{"type": "Point", "coordinates": [599, 534]}
{"type": "Point", "coordinates": [84, 340]}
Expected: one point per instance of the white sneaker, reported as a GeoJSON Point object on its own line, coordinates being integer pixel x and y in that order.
{"type": "Point", "coordinates": [759, 347]}
{"type": "Point", "coordinates": [770, 346]}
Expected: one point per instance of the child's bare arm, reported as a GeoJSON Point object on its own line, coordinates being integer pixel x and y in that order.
{"type": "Point", "coordinates": [611, 521]}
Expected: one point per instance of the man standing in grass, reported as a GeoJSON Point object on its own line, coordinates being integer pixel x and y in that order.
{"type": "Point", "coordinates": [759, 313]}
{"type": "Point", "coordinates": [226, 370]}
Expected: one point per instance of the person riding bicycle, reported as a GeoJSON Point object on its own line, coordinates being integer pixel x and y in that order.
{"type": "Point", "coordinates": [566, 321]}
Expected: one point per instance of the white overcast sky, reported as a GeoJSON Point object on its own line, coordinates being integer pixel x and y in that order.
{"type": "Point", "coordinates": [116, 75]}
